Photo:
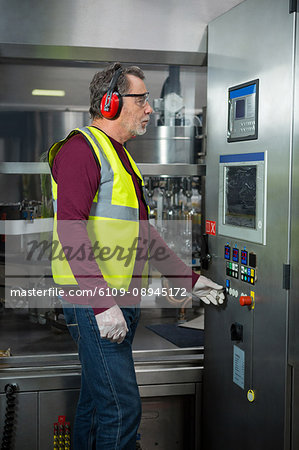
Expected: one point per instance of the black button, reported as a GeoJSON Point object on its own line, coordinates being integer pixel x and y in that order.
{"type": "Point", "coordinates": [236, 332]}
{"type": "Point", "coordinates": [252, 259]}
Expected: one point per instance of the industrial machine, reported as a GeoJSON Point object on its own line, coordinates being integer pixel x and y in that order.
{"type": "Point", "coordinates": [251, 347]}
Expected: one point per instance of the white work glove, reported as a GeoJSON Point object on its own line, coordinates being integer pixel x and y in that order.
{"type": "Point", "coordinates": [208, 291]}
{"type": "Point", "coordinates": [112, 324]}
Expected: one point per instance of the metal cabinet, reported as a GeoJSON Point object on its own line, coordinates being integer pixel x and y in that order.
{"type": "Point", "coordinates": [170, 385]}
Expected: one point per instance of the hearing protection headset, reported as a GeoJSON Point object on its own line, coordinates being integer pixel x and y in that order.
{"type": "Point", "coordinates": [111, 102]}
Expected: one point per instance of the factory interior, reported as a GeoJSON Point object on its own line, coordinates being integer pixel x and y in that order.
{"type": "Point", "coordinates": [220, 162]}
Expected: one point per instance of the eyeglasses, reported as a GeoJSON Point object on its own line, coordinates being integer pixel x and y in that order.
{"type": "Point", "coordinates": [141, 99]}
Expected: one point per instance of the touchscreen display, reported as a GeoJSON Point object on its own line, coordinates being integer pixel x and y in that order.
{"type": "Point", "coordinates": [240, 109]}
{"type": "Point", "coordinates": [240, 196]}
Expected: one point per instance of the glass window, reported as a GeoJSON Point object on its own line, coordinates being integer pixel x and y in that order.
{"type": "Point", "coordinates": [240, 196]}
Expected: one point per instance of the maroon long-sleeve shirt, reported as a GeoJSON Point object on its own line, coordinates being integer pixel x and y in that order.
{"type": "Point", "coordinates": [78, 177]}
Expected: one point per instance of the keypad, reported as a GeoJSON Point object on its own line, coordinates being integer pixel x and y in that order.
{"type": "Point", "coordinates": [232, 269]}
{"type": "Point", "coordinates": [247, 275]}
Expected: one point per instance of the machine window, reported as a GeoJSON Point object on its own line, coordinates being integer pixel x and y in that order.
{"type": "Point", "coordinates": [240, 196]}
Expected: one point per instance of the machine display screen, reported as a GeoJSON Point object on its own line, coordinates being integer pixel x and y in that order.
{"type": "Point", "coordinates": [240, 109]}
{"type": "Point", "coordinates": [240, 192]}
{"type": "Point", "coordinates": [242, 197]}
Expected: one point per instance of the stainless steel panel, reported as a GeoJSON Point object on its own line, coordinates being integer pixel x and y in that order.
{"type": "Point", "coordinates": [172, 170]}
{"type": "Point", "coordinates": [62, 371]}
{"type": "Point", "coordinates": [61, 374]}
{"type": "Point", "coordinates": [171, 402]}
{"type": "Point", "coordinates": [167, 417]}
{"type": "Point", "coordinates": [170, 375]}
{"type": "Point", "coordinates": [252, 41]}
{"type": "Point", "coordinates": [146, 169]}
{"type": "Point", "coordinates": [168, 423]}
{"type": "Point", "coordinates": [93, 55]}
{"type": "Point", "coordinates": [164, 144]}
{"type": "Point", "coordinates": [66, 379]}
{"type": "Point", "coordinates": [163, 390]}
{"type": "Point", "coordinates": [25, 426]}
{"type": "Point", "coordinates": [24, 167]}
{"type": "Point", "coordinates": [142, 25]}
{"type": "Point", "coordinates": [294, 261]}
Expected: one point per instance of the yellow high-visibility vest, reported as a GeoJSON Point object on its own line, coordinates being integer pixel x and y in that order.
{"type": "Point", "coordinates": [113, 223]}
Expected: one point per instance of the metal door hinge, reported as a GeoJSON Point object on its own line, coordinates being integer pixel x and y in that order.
{"type": "Point", "coordinates": [286, 283]}
{"type": "Point", "coordinates": [293, 6]}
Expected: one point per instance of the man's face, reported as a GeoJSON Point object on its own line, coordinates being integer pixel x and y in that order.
{"type": "Point", "coordinates": [135, 115]}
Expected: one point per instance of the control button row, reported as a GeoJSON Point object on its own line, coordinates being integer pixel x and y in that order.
{"type": "Point", "coordinates": [232, 273]}
{"type": "Point", "coordinates": [246, 129]}
{"type": "Point", "coordinates": [248, 271]}
{"type": "Point", "coordinates": [247, 279]}
{"type": "Point", "coordinates": [247, 123]}
{"type": "Point", "coordinates": [232, 266]}
{"type": "Point", "coordinates": [232, 269]}
{"type": "Point", "coordinates": [244, 256]}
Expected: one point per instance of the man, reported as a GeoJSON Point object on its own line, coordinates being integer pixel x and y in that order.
{"type": "Point", "coordinates": [100, 206]}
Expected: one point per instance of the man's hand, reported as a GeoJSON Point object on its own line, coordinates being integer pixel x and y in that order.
{"type": "Point", "coordinates": [208, 291]}
{"type": "Point", "coordinates": [112, 324]}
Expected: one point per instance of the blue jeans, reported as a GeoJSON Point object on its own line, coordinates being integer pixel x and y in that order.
{"type": "Point", "coordinates": [109, 407]}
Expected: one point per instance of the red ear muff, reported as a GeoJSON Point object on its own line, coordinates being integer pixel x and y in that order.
{"type": "Point", "coordinates": [111, 102]}
{"type": "Point", "coordinates": [111, 110]}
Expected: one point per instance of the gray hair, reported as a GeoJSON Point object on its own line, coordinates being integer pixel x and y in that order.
{"type": "Point", "coordinates": [100, 84]}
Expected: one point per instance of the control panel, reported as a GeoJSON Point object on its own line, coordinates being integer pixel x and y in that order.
{"type": "Point", "coordinates": [240, 264]}
{"type": "Point", "coordinates": [243, 112]}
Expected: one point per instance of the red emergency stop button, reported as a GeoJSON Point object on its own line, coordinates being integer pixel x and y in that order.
{"type": "Point", "coordinates": [245, 300]}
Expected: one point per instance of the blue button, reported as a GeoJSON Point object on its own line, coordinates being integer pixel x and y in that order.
{"type": "Point", "coordinates": [248, 271]}
{"type": "Point", "coordinates": [245, 277]}
{"type": "Point", "coordinates": [227, 283]}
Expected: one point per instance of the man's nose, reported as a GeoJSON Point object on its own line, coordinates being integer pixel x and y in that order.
{"type": "Point", "coordinates": [148, 108]}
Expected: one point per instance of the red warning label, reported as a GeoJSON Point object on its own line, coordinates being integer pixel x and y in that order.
{"type": "Point", "coordinates": [211, 227]}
